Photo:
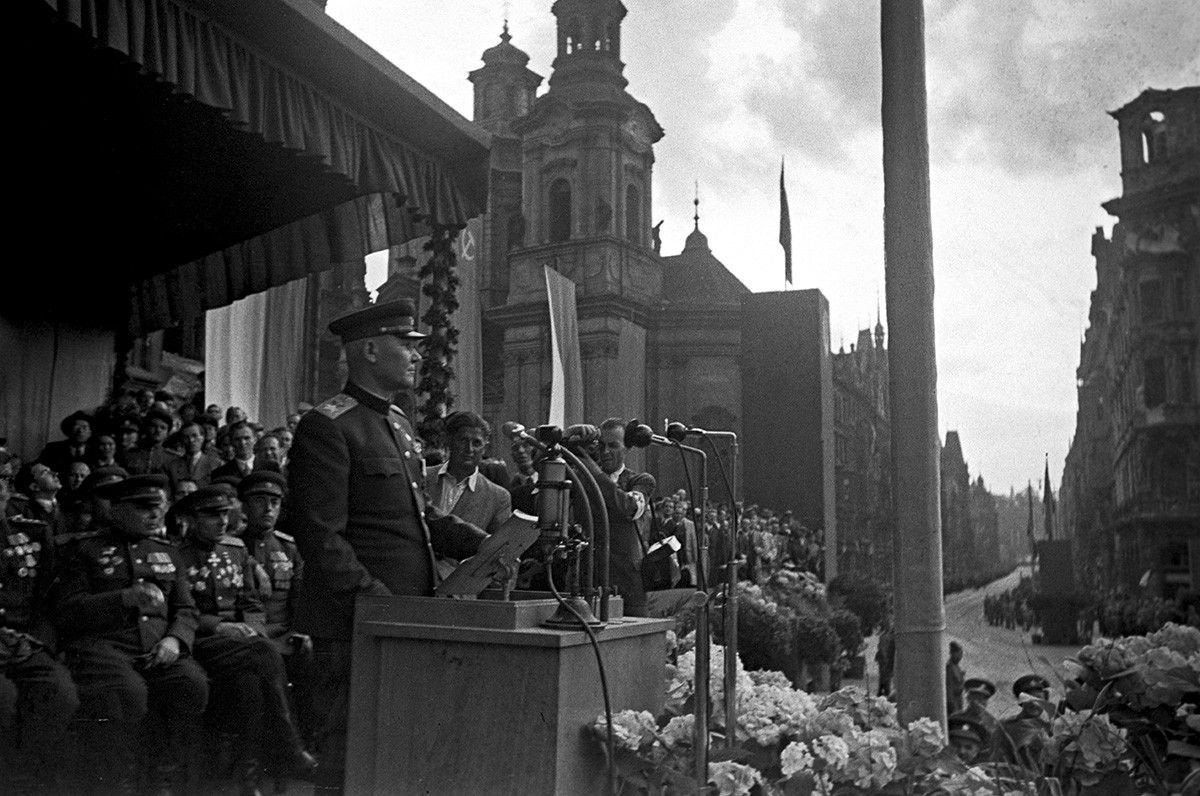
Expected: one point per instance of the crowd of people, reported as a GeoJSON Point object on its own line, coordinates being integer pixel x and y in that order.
{"type": "Point", "coordinates": [1010, 609]}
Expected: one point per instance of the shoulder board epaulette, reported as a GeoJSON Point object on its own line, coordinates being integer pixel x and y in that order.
{"type": "Point", "coordinates": [287, 537]}
{"type": "Point", "coordinates": [336, 406]}
{"type": "Point", "coordinates": [163, 540]}
{"type": "Point", "coordinates": [231, 541]}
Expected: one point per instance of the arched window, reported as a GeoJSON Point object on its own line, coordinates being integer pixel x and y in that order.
{"type": "Point", "coordinates": [574, 36]}
{"type": "Point", "coordinates": [560, 210]}
{"type": "Point", "coordinates": [1154, 137]}
{"type": "Point", "coordinates": [633, 214]}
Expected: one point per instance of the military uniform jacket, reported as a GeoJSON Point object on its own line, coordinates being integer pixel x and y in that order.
{"type": "Point", "coordinates": [90, 603]}
{"type": "Point", "coordinates": [358, 512]}
{"type": "Point", "coordinates": [280, 560]}
{"type": "Point", "coordinates": [26, 569]}
{"type": "Point", "coordinates": [223, 583]}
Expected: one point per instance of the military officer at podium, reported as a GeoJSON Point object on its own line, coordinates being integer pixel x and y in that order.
{"type": "Point", "coordinates": [357, 508]}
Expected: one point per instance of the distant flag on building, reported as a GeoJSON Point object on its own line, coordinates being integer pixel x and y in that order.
{"type": "Point", "coordinates": [1048, 503]}
{"type": "Point", "coordinates": [785, 228]}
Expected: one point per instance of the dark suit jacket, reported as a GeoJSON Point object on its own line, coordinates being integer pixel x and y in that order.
{"type": "Point", "coordinates": [230, 468]}
{"type": "Point", "coordinates": [183, 469]}
{"type": "Point", "coordinates": [627, 534]}
{"type": "Point", "coordinates": [488, 506]}
{"type": "Point", "coordinates": [358, 511]}
{"type": "Point", "coordinates": [57, 456]}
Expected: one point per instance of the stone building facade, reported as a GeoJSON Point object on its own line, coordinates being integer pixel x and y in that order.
{"type": "Point", "coordinates": [1131, 484]}
{"type": "Point", "coordinates": [862, 454]}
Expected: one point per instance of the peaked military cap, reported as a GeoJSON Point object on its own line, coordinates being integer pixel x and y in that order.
{"type": "Point", "coordinates": [69, 420]}
{"type": "Point", "coordinates": [977, 685]}
{"type": "Point", "coordinates": [263, 482]}
{"type": "Point", "coordinates": [26, 523]}
{"type": "Point", "coordinates": [107, 474]}
{"type": "Point", "coordinates": [963, 727]}
{"type": "Point", "coordinates": [1030, 683]}
{"type": "Point", "coordinates": [134, 488]}
{"type": "Point", "coordinates": [228, 481]}
{"type": "Point", "coordinates": [397, 318]}
{"type": "Point", "coordinates": [204, 500]}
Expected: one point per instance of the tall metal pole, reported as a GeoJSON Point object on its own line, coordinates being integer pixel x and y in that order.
{"type": "Point", "coordinates": [908, 250]}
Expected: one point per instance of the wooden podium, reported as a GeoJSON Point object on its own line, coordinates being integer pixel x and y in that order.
{"type": "Point", "coordinates": [475, 697]}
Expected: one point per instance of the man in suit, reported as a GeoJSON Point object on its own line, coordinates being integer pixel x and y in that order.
{"type": "Point", "coordinates": [357, 508]}
{"type": "Point", "coordinates": [77, 428]}
{"type": "Point", "coordinates": [627, 497]}
{"type": "Point", "coordinates": [458, 487]}
{"type": "Point", "coordinates": [242, 440]}
{"type": "Point", "coordinates": [194, 465]}
{"type": "Point", "coordinates": [151, 456]}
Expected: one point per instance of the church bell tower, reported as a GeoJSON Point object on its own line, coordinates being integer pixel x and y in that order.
{"type": "Point", "coordinates": [587, 157]}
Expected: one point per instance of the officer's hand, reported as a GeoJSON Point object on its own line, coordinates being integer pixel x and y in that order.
{"type": "Point", "coordinates": [377, 589]}
{"type": "Point", "coordinates": [235, 630]}
{"type": "Point", "coordinates": [166, 651]}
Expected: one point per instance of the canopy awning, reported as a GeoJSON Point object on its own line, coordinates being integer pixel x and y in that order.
{"type": "Point", "coordinates": [181, 154]}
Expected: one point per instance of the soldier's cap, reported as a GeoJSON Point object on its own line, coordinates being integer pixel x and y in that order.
{"type": "Point", "coordinates": [977, 685]}
{"type": "Point", "coordinates": [108, 474]}
{"type": "Point", "coordinates": [205, 500]}
{"type": "Point", "coordinates": [128, 424]}
{"type": "Point", "coordinates": [230, 481]}
{"type": "Point", "coordinates": [135, 489]}
{"type": "Point", "coordinates": [263, 482]}
{"type": "Point", "coordinates": [967, 728]}
{"type": "Point", "coordinates": [1029, 684]}
{"type": "Point", "coordinates": [69, 420]}
{"type": "Point", "coordinates": [159, 414]}
{"type": "Point", "coordinates": [397, 318]}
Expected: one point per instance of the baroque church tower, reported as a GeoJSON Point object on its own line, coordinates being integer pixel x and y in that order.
{"type": "Point", "coordinates": [580, 159]}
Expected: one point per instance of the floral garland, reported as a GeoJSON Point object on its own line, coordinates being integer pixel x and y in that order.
{"type": "Point", "coordinates": [440, 283]}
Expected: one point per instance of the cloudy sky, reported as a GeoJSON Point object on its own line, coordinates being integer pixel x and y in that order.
{"type": "Point", "coordinates": [1023, 153]}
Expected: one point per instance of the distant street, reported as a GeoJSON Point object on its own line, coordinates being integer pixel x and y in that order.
{"type": "Point", "coordinates": [998, 654]}
{"type": "Point", "coordinates": [995, 653]}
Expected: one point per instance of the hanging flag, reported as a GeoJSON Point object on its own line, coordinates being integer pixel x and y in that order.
{"type": "Point", "coordinates": [785, 228]}
{"type": "Point", "coordinates": [1048, 503]}
{"type": "Point", "coordinates": [566, 369]}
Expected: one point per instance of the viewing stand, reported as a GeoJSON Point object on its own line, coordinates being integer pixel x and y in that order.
{"type": "Point", "coordinates": [477, 697]}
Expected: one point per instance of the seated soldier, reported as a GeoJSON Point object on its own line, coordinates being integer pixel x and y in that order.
{"type": "Point", "coordinates": [1021, 739]}
{"type": "Point", "coordinates": [249, 701]}
{"type": "Point", "coordinates": [978, 692]}
{"type": "Point", "coordinates": [968, 737]}
{"type": "Point", "coordinates": [262, 494]}
{"type": "Point", "coordinates": [37, 696]}
{"type": "Point", "coordinates": [129, 620]}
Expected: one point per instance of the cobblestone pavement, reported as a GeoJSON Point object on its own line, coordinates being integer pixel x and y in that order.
{"type": "Point", "coordinates": [998, 654]}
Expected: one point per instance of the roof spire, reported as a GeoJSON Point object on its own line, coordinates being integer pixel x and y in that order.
{"type": "Point", "coordinates": [696, 202]}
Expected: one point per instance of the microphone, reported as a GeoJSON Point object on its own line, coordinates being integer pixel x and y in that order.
{"type": "Point", "coordinates": [515, 431]}
{"type": "Point", "coordinates": [640, 435]}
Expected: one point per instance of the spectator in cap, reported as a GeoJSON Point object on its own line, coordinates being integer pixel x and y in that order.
{"type": "Point", "coordinates": [151, 456]}
{"type": "Point", "coordinates": [978, 692]}
{"type": "Point", "coordinates": [249, 697]}
{"type": "Point", "coordinates": [128, 618]}
{"type": "Point", "coordinates": [193, 464]}
{"type": "Point", "coordinates": [969, 739]}
{"type": "Point", "coordinates": [36, 692]}
{"type": "Point", "coordinates": [77, 428]}
{"type": "Point", "coordinates": [954, 680]}
{"type": "Point", "coordinates": [357, 506]}
{"type": "Point", "coordinates": [1022, 739]}
{"type": "Point", "coordinates": [128, 435]}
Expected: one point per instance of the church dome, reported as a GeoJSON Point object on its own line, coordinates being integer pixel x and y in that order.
{"type": "Point", "coordinates": [505, 52]}
{"type": "Point", "coordinates": [696, 240]}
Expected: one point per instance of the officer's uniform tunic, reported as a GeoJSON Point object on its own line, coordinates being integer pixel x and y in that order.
{"type": "Point", "coordinates": [359, 515]}
{"type": "Point", "coordinates": [249, 681]}
{"type": "Point", "coordinates": [105, 636]}
{"type": "Point", "coordinates": [33, 685]}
